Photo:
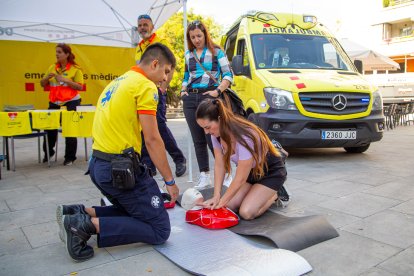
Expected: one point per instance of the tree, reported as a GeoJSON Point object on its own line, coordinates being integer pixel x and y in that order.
{"type": "Point", "coordinates": [173, 32]}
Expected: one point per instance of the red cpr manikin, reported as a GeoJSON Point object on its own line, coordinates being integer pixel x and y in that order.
{"type": "Point", "coordinates": [212, 219]}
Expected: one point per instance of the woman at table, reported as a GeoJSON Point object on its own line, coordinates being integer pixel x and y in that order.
{"type": "Point", "coordinates": [65, 79]}
{"type": "Point", "coordinates": [260, 172]}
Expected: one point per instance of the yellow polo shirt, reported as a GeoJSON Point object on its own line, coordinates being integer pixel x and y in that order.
{"type": "Point", "coordinates": [116, 125]}
{"type": "Point", "coordinates": [143, 45]}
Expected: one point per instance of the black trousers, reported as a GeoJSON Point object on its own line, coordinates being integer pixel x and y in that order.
{"type": "Point", "coordinates": [71, 143]}
{"type": "Point", "coordinates": [169, 141]}
{"type": "Point", "coordinates": [200, 139]}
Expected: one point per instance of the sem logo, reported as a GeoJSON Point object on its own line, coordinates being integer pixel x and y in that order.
{"type": "Point", "coordinates": [155, 201]}
{"type": "Point", "coordinates": [12, 115]}
{"type": "Point", "coordinates": [339, 102]}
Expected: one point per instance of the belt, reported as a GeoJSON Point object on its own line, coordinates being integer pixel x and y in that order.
{"type": "Point", "coordinates": [201, 90]}
{"type": "Point", "coordinates": [109, 156]}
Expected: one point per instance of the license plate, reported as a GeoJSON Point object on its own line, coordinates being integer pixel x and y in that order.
{"type": "Point", "coordinates": [338, 134]}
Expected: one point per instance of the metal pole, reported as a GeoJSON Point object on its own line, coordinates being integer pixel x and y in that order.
{"type": "Point", "coordinates": [189, 142]}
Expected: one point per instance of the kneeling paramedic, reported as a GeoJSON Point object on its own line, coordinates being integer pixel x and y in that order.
{"type": "Point", "coordinates": [126, 107]}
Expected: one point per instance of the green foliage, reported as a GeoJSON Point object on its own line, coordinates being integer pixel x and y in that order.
{"type": "Point", "coordinates": [173, 32]}
{"type": "Point", "coordinates": [385, 3]}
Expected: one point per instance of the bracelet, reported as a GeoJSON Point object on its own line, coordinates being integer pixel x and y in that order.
{"type": "Point", "coordinates": [170, 183]}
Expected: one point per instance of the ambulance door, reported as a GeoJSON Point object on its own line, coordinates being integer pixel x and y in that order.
{"type": "Point", "coordinates": [242, 83]}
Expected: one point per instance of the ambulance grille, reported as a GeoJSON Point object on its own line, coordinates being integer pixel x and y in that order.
{"type": "Point", "coordinates": [323, 102]}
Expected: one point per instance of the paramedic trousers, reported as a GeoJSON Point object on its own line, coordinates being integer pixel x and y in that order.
{"type": "Point", "coordinates": [138, 215]}
{"type": "Point", "coordinates": [71, 143]}
{"type": "Point", "coordinates": [167, 137]}
{"type": "Point", "coordinates": [200, 139]}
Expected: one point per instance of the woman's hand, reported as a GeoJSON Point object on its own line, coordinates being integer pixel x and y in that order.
{"type": "Point", "coordinates": [211, 203]}
{"type": "Point", "coordinates": [182, 93]}
{"type": "Point", "coordinates": [212, 93]}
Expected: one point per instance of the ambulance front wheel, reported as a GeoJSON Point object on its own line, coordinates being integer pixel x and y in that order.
{"type": "Point", "coordinates": [360, 149]}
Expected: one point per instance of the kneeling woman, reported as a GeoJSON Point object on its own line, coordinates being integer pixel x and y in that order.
{"type": "Point", "coordinates": [260, 169]}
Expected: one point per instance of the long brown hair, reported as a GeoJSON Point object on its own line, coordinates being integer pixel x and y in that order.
{"type": "Point", "coordinates": [235, 126]}
{"type": "Point", "coordinates": [197, 24]}
{"type": "Point", "coordinates": [67, 50]}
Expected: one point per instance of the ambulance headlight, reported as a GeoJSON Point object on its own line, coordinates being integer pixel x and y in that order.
{"type": "Point", "coordinates": [279, 99]}
{"type": "Point", "coordinates": [376, 101]}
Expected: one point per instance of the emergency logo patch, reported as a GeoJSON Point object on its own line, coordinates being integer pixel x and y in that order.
{"type": "Point", "coordinates": [108, 94]}
{"type": "Point", "coordinates": [156, 97]}
{"type": "Point", "coordinates": [155, 201]}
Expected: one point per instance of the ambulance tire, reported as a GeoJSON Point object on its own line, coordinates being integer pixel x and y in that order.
{"type": "Point", "coordinates": [360, 149]}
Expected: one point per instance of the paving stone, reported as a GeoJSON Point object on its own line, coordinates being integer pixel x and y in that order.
{"type": "Point", "coordinates": [370, 178]}
{"type": "Point", "coordinates": [13, 241]}
{"type": "Point", "coordinates": [302, 199]}
{"type": "Point", "coordinates": [3, 207]}
{"type": "Point", "coordinates": [398, 189]}
{"type": "Point", "coordinates": [125, 251]}
{"type": "Point", "coordinates": [406, 207]}
{"type": "Point", "coordinates": [361, 205]}
{"type": "Point", "coordinates": [42, 234]}
{"type": "Point", "coordinates": [33, 201]}
{"type": "Point", "coordinates": [337, 219]}
{"type": "Point", "coordinates": [48, 260]}
{"type": "Point", "coordinates": [388, 227]}
{"type": "Point", "coordinates": [19, 193]}
{"type": "Point", "coordinates": [148, 263]}
{"type": "Point", "coordinates": [337, 188]}
{"type": "Point", "coordinates": [377, 272]}
{"type": "Point", "coordinates": [401, 264]}
{"type": "Point", "coordinates": [347, 254]}
{"type": "Point", "coordinates": [294, 183]}
{"type": "Point", "coordinates": [64, 186]}
{"type": "Point", "coordinates": [17, 219]}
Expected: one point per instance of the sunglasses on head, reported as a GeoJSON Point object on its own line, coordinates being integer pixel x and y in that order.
{"type": "Point", "coordinates": [144, 16]}
{"type": "Point", "coordinates": [195, 23]}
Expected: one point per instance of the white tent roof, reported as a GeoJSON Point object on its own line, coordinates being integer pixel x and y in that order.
{"type": "Point", "coordinates": [96, 22]}
{"type": "Point", "coordinates": [371, 60]}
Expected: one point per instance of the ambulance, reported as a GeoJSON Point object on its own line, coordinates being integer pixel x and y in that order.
{"type": "Point", "coordinates": [298, 84]}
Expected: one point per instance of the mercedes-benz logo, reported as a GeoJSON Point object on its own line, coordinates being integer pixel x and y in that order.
{"type": "Point", "coordinates": [339, 102]}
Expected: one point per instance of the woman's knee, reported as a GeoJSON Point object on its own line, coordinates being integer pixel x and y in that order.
{"type": "Point", "coordinates": [247, 213]}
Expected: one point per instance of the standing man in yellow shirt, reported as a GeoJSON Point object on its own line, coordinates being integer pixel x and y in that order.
{"type": "Point", "coordinates": [145, 30]}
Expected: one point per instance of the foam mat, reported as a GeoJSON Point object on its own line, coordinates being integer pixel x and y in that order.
{"type": "Point", "coordinates": [221, 252]}
{"type": "Point", "coordinates": [291, 233]}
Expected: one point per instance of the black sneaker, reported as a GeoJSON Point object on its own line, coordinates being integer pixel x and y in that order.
{"type": "Point", "coordinates": [51, 154]}
{"type": "Point", "coordinates": [283, 197]}
{"type": "Point", "coordinates": [180, 169]}
{"type": "Point", "coordinates": [62, 210]}
{"type": "Point", "coordinates": [68, 162]}
{"type": "Point", "coordinates": [78, 230]}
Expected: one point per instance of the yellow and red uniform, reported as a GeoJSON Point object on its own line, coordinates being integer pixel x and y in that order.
{"type": "Point", "coordinates": [62, 92]}
{"type": "Point", "coordinates": [143, 45]}
{"type": "Point", "coordinates": [116, 126]}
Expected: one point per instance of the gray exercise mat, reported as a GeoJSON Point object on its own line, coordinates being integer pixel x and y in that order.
{"type": "Point", "coordinates": [291, 233]}
{"type": "Point", "coordinates": [221, 252]}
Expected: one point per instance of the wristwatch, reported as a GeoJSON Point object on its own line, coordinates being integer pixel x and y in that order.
{"type": "Point", "coordinates": [218, 91]}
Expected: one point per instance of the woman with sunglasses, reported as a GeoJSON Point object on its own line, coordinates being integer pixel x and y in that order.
{"type": "Point", "coordinates": [65, 79]}
{"type": "Point", "coordinates": [202, 55]}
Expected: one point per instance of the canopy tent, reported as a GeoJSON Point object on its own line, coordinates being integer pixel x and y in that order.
{"type": "Point", "coordinates": [371, 60]}
{"type": "Point", "coordinates": [91, 22]}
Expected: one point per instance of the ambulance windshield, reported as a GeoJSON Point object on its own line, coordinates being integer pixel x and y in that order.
{"type": "Point", "coordinates": [273, 51]}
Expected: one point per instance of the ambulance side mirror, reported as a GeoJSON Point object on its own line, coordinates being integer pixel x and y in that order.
{"type": "Point", "coordinates": [358, 65]}
{"type": "Point", "coordinates": [237, 65]}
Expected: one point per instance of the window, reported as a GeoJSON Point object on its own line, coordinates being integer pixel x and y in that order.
{"type": "Point", "coordinates": [242, 51]}
{"type": "Point", "coordinates": [230, 44]}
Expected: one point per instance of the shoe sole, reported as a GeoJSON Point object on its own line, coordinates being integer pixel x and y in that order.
{"type": "Point", "coordinates": [65, 240]}
{"type": "Point", "coordinates": [59, 215]}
